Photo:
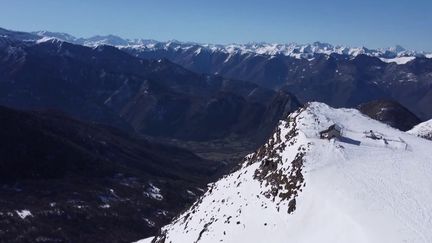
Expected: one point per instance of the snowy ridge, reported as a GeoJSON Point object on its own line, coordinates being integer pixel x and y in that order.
{"type": "Point", "coordinates": [423, 130]}
{"type": "Point", "coordinates": [395, 54]}
{"type": "Point", "coordinates": [299, 51]}
{"type": "Point", "coordinates": [370, 185]}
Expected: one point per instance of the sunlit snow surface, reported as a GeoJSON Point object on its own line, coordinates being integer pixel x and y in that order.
{"type": "Point", "coordinates": [423, 129]}
{"type": "Point", "coordinates": [356, 189]}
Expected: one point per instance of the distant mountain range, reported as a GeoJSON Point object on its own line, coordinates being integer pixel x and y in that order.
{"type": "Point", "coordinates": [339, 76]}
{"type": "Point", "coordinates": [292, 49]}
{"type": "Point", "coordinates": [338, 80]}
{"type": "Point", "coordinates": [155, 98]}
{"type": "Point", "coordinates": [327, 74]}
{"type": "Point", "coordinates": [396, 54]}
{"type": "Point", "coordinates": [341, 80]}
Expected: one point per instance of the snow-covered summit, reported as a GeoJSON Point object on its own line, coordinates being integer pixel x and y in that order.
{"type": "Point", "coordinates": [423, 130]}
{"type": "Point", "coordinates": [371, 184]}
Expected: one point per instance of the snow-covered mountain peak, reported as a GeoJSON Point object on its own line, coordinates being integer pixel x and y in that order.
{"type": "Point", "coordinates": [370, 184]}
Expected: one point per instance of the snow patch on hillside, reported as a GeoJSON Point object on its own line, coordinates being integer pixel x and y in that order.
{"type": "Point", "coordinates": [153, 192]}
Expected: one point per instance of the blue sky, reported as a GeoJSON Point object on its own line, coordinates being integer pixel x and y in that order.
{"type": "Point", "coordinates": [378, 23]}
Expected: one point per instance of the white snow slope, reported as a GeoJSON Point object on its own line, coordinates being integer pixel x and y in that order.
{"type": "Point", "coordinates": [423, 130]}
{"type": "Point", "coordinates": [364, 187]}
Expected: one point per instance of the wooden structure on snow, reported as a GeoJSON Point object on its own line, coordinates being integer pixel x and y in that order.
{"type": "Point", "coordinates": [334, 131]}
